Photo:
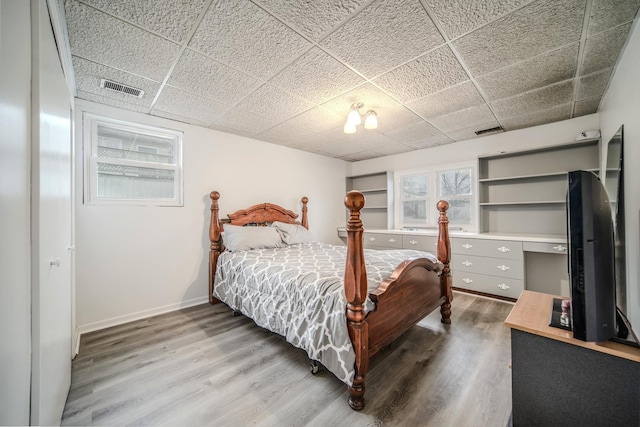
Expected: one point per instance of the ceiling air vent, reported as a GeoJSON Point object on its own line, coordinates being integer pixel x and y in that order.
{"type": "Point", "coordinates": [107, 84]}
{"type": "Point", "coordinates": [490, 130]}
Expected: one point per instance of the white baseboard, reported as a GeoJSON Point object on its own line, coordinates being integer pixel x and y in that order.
{"type": "Point", "coordinates": [119, 320]}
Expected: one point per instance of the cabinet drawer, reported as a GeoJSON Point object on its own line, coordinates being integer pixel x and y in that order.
{"type": "Point", "coordinates": [550, 248]}
{"type": "Point", "coordinates": [502, 267]}
{"type": "Point", "coordinates": [421, 243]}
{"type": "Point", "coordinates": [487, 247]}
{"type": "Point", "coordinates": [502, 286]}
{"type": "Point", "coordinates": [382, 240]}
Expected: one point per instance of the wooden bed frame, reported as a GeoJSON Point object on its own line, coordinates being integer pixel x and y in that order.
{"type": "Point", "coordinates": [416, 287]}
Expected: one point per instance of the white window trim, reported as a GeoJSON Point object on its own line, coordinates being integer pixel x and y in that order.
{"type": "Point", "coordinates": [433, 195]}
{"type": "Point", "coordinates": [90, 124]}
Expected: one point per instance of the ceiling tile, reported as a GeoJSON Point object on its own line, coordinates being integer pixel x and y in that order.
{"type": "Point", "coordinates": [607, 14]}
{"type": "Point", "coordinates": [389, 150]}
{"type": "Point", "coordinates": [527, 32]}
{"type": "Point", "coordinates": [169, 18]}
{"type": "Point", "coordinates": [586, 106]}
{"type": "Point", "coordinates": [458, 17]}
{"type": "Point", "coordinates": [175, 101]}
{"type": "Point", "coordinates": [242, 35]}
{"type": "Point", "coordinates": [362, 155]}
{"type": "Point", "coordinates": [285, 133]}
{"type": "Point", "coordinates": [447, 101]}
{"type": "Point", "coordinates": [88, 75]}
{"type": "Point", "coordinates": [199, 74]}
{"type": "Point", "coordinates": [316, 76]}
{"type": "Point", "coordinates": [602, 50]}
{"type": "Point", "coordinates": [177, 117]}
{"type": "Point", "coordinates": [542, 70]}
{"type": "Point", "coordinates": [425, 75]}
{"type": "Point", "coordinates": [470, 132]}
{"type": "Point", "coordinates": [245, 121]}
{"type": "Point", "coordinates": [317, 119]}
{"type": "Point", "coordinates": [413, 132]}
{"type": "Point", "coordinates": [431, 141]}
{"type": "Point", "coordinates": [533, 101]}
{"type": "Point", "coordinates": [373, 43]}
{"type": "Point", "coordinates": [110, 101]}
{"type": "Point", "coordinates": [463, 118]}
{"type": "Point", "coordinates": [593, 85]}
{"type": "Point", "coordinates": [98, 37]}
{"type": "Point", "coordinates": [561, 112]}
{"type": "Point", "coordinates": [312, 18]}
{"type": "Point", "coordinates": [270, 101]}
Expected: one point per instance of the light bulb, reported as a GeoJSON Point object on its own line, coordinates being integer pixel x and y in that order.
{"type": "Point", "coordinates": [354, 118]}
{"type": "Point", "coordinates": [349, 127]}
{"type": "Point", "coordinates": [371, 120]}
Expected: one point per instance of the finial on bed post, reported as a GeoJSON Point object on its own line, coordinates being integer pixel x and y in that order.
{"type": "Point", "coordinates": [444, 256]}
{"type": "Point", "coordinates": [305, 220]}
{"type": "Point", "coordinates": [216, 245]}
{"type": "Point", "coordinates": [355, 286]}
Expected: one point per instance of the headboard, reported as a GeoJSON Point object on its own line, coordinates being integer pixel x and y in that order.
{"type": "Point", "coordinates": [256, 215]}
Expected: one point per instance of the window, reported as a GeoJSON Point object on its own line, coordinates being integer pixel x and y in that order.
{"type": "Point", "coordinates": [131, 164]}
{"type": "Point", "coordinates": [417, 193]}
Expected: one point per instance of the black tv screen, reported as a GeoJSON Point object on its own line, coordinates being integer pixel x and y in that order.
{"type": "Point", "coordinates": [591, 258]}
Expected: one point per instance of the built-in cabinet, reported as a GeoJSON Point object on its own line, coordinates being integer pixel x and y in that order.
{"type": "Point", "coordinates": [378, 192]}
{"type": "Point", "coordinates": [524, 192]}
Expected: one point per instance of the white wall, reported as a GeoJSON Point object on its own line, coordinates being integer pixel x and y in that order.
{"type": "Point", "coordinates": [135, 261]}
{"type": "Point", "coordinates": [539, 136]}
{"type": "Point", "coordinates": [621, 106]}
{"type": "Point", "coordinates": [15, 265]}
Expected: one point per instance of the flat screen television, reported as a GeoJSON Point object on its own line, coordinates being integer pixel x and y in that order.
{"type": "Point", "coordinates": [591, 258]}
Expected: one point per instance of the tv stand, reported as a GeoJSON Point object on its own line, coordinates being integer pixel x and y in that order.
{"type": "Point", "coordinates": [559, 380]}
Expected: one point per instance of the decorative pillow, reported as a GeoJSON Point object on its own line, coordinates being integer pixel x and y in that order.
{"type": "Point", "coordinates": [293, 233]}
{"type": "Point", "coordinates": [238, 238]}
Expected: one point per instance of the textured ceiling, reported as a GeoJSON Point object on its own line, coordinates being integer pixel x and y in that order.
{"type": "Point", "coordinates": [287, 71]}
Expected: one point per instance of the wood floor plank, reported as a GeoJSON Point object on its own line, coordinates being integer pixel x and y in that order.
{"type": "Point", "coordinates": [203, 366]}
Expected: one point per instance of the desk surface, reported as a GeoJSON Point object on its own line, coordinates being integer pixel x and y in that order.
{"type": "Point", "coordinates": [532, 313]}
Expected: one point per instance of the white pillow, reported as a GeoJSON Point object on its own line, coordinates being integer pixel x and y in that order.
{"type": "Point", "coordinates": [293, 233]}
{"type": "Point", "coordinates": [238, 238]}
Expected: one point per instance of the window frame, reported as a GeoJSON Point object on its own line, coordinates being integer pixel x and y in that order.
{"type": "Point", "coordinates": [91, 122]}
{"type": "Point", "coordinates": [434, 195]}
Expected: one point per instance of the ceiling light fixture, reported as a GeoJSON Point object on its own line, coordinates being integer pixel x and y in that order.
{"type": "Point", "coordinates": [354, 118]}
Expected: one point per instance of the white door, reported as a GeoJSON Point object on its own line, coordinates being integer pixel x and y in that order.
{"type": "Point", "coordinates": [51, 225]}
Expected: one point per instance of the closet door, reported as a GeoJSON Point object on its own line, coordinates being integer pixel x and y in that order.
{"type": "Point", "coordinates": [51, 225]}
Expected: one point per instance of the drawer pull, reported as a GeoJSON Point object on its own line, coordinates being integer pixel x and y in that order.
{"type": "Point", "coordinates": [413, 242]}
{"type": "Point", "coordinates": [372, 239]}
{"type": "Point", "coordinates": [503, 249]}
{"type": "Point", "coordinates": [392, 240]}
{"type": "Point", "coordinates": [504, 268]}
{"type": "Point", "coordinates": [467, 263]}
{"type": "Point", "coordinates": [467, 280]}
{"type": "Point", "coordinates": [504, 287]}
{"type": "Point", "coordinates": [560, 248]}
{"type": "Point", "coordinates": [467, 246]}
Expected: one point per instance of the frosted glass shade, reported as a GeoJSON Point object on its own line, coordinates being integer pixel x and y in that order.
{"type": "Point", "coordinates": [371, 120]}
{"type": "Point", "coordinates": [349, 128]}
{"type": "Point", "coordinates": [354, 118]}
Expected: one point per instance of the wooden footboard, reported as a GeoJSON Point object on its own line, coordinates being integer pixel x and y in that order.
{"type": "Point", "coordinates": [415, 289]}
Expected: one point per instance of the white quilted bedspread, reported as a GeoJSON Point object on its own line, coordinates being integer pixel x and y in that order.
{"type": "Point", "coordinates": [298, 292]}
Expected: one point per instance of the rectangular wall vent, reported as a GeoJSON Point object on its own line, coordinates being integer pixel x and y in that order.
{"type": "Point", "coordinates": [107, 84]}
{"type": "Point", "coordinates": [490, 130]}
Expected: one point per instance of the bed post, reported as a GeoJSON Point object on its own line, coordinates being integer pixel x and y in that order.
{"type": "Point", "coordinates": [216, 245]}
{"type": "Point", "coordinates": [444, 256]}
{"type": "Point", "coordinates": [355, 286]}
{"type": "Point", "coordinates": [305, 220]}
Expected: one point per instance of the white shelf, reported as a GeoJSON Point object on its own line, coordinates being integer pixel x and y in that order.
{"type": "Point", "coordinates": [528, 202]}
{"type": "Point", "coordinates": [533, 176]}
{"type": "Point", "coordinates": [372, 190]}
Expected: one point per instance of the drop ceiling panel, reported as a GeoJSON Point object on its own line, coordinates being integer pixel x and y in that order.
{"type": "Point", "coordinates": [317, 120]}
{"type": "Point", "coordinates": [430, 141]}
{"type": "Point", "coordinates": [384, 35]}
{"type": "Point", "coordinates": [474, 116]}
{"type": "Point", "coordinates": [427, 74]}
{"type": "Point", "coordinates": [244, 36]}
{"type": "Point", "coordinates": [100, 38]}
{"type": "Point", "coordinates": [312, 18]}
{"type": "Point", "coordinates": [587, 106]}
{"type": "Point", "coordinates": [272, 102]}
{"type": "Point", "coordinates": [593, 85]}
{"type": "Point", "coordinates": [416, 131]}
{"type": "Point", "coordinates": [111, 101]}
{"type": "Point", "coordinates": [527, 32]}
{"type": "Point", "coordinates": [177, 117]}
{"type": "Point", "coordinates": [317, 77]}
{"type": "Point", "coordinates": [168, 18]}
{"type": "Point", "coordinates": [89, 74]}
{"type": "Point", "coordinates": [470, 132]}
{"type": "Point", "coordinates": [607, 14]}
{"type": "Point", "coordinates": [537, 72]}
{"type": "Point", "coordinates": [534, 101]}
{"type": "Point", "coordinates": [187, 104]}
{"type": "Point", "coordinates": [201, 75]}
{"type": "Point", "coordinates": [602, 50]}
{"type": "Point", "coordinates": [247, 122]}
{"type": "Point", "coordinates": [561, 112]}
{"type": "Point", "coordinates": [447, 101]}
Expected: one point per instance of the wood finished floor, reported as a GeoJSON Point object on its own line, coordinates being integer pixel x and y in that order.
{"type": "Point", "coordinates": [203, 366]}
